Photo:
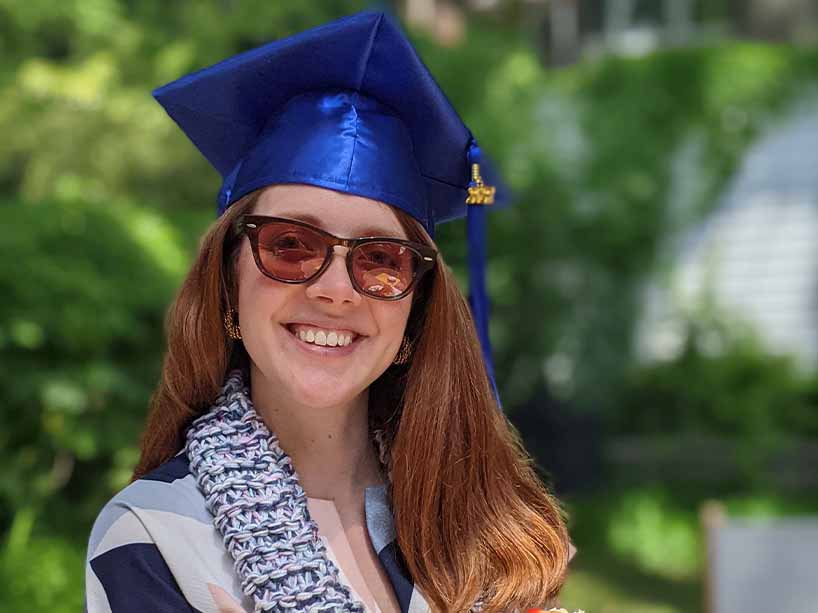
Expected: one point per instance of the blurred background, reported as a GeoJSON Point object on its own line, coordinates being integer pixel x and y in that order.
{"type": "Point", "coordinates": [654, 288]}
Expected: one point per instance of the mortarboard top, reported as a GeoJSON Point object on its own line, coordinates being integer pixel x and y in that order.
{"type": "Point", "coordinates": [348, 106]}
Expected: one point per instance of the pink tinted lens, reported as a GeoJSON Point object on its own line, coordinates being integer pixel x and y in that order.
{"type": "Point", "coordinates": [384, 269]}
{"type": "Point", "coordinates": [290, 252]}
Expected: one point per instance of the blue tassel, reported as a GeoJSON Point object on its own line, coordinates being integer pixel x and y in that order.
{"type": "Point", "coordinates": [478, 298]}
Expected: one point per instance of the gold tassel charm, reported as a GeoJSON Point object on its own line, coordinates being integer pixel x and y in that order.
{"type": "Point", "coordinates": [479, 192]}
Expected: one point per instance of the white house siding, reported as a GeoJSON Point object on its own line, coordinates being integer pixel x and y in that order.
{"type": "Point", "coordinates": [756, 257]}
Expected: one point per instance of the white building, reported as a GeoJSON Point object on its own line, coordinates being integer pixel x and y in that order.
{"type": "Point", "coordinates": [755, 258]}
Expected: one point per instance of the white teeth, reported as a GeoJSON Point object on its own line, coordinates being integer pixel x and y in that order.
{"type": "Point", "coordinates": [325, 338]}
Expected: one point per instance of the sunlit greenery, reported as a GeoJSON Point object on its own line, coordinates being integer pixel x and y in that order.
{"type": "Point", "coordinates": [103, 201]}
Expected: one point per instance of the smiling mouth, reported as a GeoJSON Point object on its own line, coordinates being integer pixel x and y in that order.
{"type": "Point", "coordinates": [323, 337]}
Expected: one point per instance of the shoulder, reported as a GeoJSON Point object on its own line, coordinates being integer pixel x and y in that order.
{"type": "Point", "coordinates": [131, 563]}
{"type": "Point", "coordinates": [166, 496]}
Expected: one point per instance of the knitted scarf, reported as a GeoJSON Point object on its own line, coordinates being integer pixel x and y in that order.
{"type": "Point", "coordinates": [260, 509]}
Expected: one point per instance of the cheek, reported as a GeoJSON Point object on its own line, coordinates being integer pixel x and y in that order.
{"type": "Point", "coordinates": [248, 282]}
{"type": "Point", "coordinates": [392, 318]}
{"type": "Point", "coordinates": [245, 266]}
{"type": "Point", "coordinates": [259, 297]}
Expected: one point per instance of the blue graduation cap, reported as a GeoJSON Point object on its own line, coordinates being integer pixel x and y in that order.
{"type": "Point", "coordinates": [347, 106]}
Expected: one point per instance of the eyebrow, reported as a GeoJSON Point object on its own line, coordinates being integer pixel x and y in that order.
{"type": "Point", "coordinates": [365, 231]}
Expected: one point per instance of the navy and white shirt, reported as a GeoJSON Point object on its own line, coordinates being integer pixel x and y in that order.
{"type": "Point", "coordinates": [154, 548]}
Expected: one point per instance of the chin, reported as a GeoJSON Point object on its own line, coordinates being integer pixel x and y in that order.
{"type": "Point", "coordinates": [327, 402]}
{"type": "Point", "coordinates": [322, 392]}
{"type": "Point", "coordinates": [310, 383]}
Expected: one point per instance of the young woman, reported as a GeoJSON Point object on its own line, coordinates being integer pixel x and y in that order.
{"type": "Point", "coordinates": [325, 435]}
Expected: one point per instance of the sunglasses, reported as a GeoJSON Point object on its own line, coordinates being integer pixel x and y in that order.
{"type": "Point", "coordinates": [293, 251]}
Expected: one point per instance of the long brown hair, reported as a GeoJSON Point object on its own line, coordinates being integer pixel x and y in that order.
{"type": "Point", "coordinates": [472, 518]}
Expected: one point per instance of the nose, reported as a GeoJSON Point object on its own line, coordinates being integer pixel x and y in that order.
{"type": "Point", "coordinates": [334, 286]}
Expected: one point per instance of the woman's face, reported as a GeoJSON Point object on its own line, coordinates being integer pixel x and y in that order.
{"type": "Point", "coordinates": [272, 315]}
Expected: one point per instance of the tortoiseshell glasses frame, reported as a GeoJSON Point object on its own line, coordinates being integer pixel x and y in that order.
{"type": "Point", "coordinates": [294, 251]}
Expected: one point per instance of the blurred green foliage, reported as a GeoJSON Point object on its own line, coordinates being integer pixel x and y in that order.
{"type": "Point", "coordinates": [641, 547]}
{"type": "Point", "coordinates": [592, 165]}
{"type": "Point", "coordinates": [81, 342]}
{"type": "Point", "coordinates": [104, 200]}
{"type": "Point", "coordinates": [701, 391]}
{"type": "Point", "coordinates": [82, 334]}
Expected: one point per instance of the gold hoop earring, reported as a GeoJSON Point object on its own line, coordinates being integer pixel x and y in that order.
{"type": "Point", "coordinates": [230, 325]}
{"type": "Point", "coordinates": [404, 353]}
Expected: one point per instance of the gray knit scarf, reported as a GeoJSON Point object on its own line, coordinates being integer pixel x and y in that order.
{"type": "Point", "coordinates": [260, 509]}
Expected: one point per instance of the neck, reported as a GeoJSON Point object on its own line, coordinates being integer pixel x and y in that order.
{"type": "Point", "coordinates": [330, 447]}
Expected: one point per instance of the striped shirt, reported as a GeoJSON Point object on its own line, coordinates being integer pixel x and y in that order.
{"type": "Point", "coordinates": [154, 548]}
